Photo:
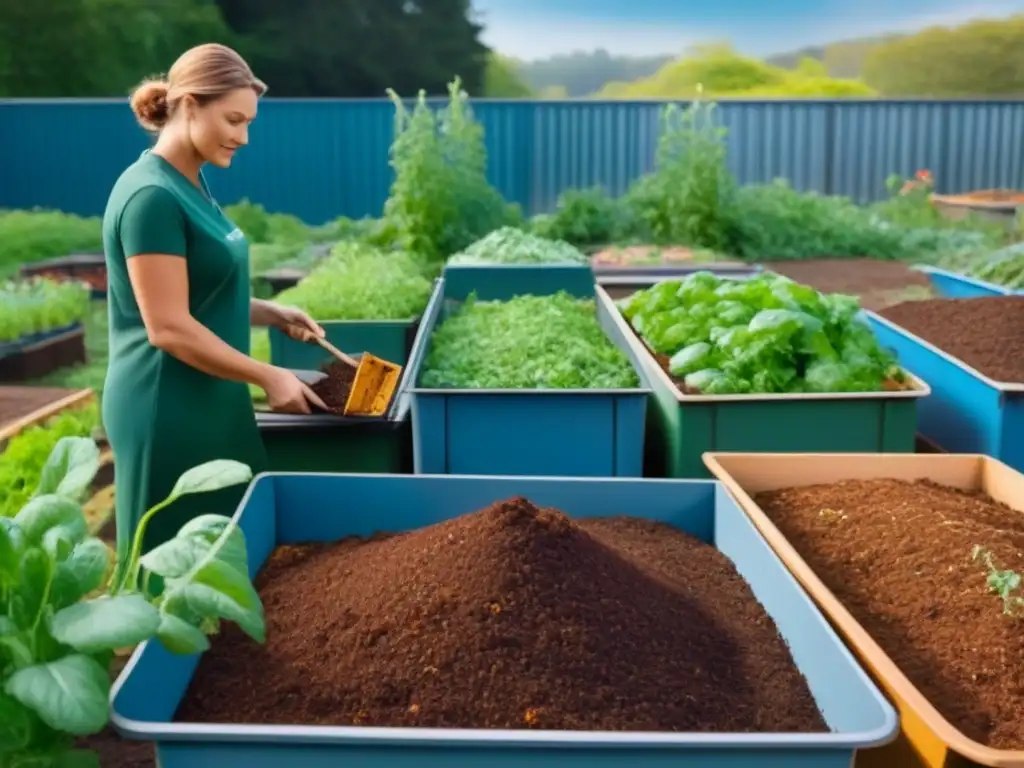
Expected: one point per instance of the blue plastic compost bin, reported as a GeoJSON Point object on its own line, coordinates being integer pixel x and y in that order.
{"type": "Point", "coordinates": [950, 285]}
{"type": "Point", "coordinates": [967, 412]}
{"type": "Point", "coordinates": [569, 433]}
{"type": "Point", "coordinates": [291, 508]}
{"type": "Point", "coordinates": [503, 281]}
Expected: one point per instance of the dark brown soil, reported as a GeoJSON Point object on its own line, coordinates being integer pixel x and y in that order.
{"type": "Point", "coordinates": [18, 402]}
{"type": "Point", "coordinates": [510, 617]}
{"type": "Point", "coordinates": [877, 283]}
{"type": "Point", "coordinates": [334, 390]}
{"type": "Point", "coordinates": [898, 555]}
{"type": "Point", "coordinates": [986, 333]}
{"type": "Point", "coordinates": [115, 752]}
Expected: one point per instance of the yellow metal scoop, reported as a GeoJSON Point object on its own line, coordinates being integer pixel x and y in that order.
{"type": "Point", "coordinates": [374, 384]}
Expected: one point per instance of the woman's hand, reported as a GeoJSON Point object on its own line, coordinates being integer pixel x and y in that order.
{"type": "Point", "coordinates": [286, 393]}
{"type": "Point", "coordinates": [291, 321]}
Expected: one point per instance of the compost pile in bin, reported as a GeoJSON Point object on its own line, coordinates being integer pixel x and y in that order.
{"type": "Point", "coordinates": [509, 617]}
{"type": "Point", "coordinates": [335, 388]}
{"type": "Point", "coordinates": [919, 565]}
{"type": "Point", "coordinates": [986, 333]}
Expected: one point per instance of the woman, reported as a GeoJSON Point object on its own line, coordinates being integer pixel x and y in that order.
{"type": "Point", "coordinates": [180, 307]}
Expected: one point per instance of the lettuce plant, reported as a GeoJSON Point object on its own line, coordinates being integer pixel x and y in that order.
{"type": "Point", "coordinates": [63, 613]}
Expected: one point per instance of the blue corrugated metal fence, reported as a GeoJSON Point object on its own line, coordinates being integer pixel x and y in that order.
{"type": "Point", "coordinates": [323, 158]}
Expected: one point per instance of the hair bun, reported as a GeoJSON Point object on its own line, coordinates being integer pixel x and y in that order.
{"type": "Point", "coordinates": [149, 103]}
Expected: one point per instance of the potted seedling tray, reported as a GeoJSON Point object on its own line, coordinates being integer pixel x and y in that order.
{"type": "Point", "coordinates": [899, 552]}
{"type": "Point", "coordinates": [967, 412]}
{"type": "Point", "coordinates": [951, 285]}
{"type": "Point", "coordinates": [577, 432]}
{"type": "Point", "coordinates": [500, 281]}
{"type": "Point", "coordinates": [389, 340]}
{"type": "Point", "coordinates": [32, 357]}
{"type": "Point", "coordinates": [295, 509]}
{"type": "Point", "coordinates": [683, 426]}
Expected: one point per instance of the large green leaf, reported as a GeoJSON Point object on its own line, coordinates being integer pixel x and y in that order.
{"type": "Point", "coordinates": [15, 725]}
{"type": "Point", "coordinates": [69, 694]}
{"type": "Point", "coordinates": [211, 476]}
{"type": "Point", "coordinates": [49, 511]}
{"type": "Point", "coordinates": [202, 600]}
{"type": "Point", "coordinates": [178, 636]}
{"type": "Point", "coordinates": [106, 623]}
{"type": "Point", "coordinates": [70, 468]}
{"type": "Point", "coordinates": [82, 572]}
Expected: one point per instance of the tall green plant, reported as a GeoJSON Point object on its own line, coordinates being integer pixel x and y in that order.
{"type": "Point", "coordinates": [63, 614]}
{"type": "Point", "coordinates": [440, 200]}
{"type": "Point", "coordinates": [690, 198]}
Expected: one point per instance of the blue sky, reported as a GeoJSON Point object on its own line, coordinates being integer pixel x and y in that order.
{"type": "Point", "coordinates": [532, 29]}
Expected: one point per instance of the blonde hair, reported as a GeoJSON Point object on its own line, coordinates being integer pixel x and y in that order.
{"type": "Point", "coordinates": [205, 73]}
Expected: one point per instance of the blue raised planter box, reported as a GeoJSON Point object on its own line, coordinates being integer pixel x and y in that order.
{"type": "Point", "coordinates": [571, 433]}
{"type": "Point", "coordinates": [283, 509]}
{"type": "Point", "coordinates": [950, 285]}
{"type": "Point", "coordinates": [389, 340]}
{"type": "Point", "coordinates": [503, 281]}
{"type": "Point", "coordinates": [967, 412]}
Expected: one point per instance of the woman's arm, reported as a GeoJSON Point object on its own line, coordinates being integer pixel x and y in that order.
{"type": "Point", "coordinates": [152, 233]}
{"type": "Point", "coordinates": [261, 314]}
{"type": "Point", "coordinates": [160, 283]}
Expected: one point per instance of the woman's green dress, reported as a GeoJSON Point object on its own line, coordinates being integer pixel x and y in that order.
{"type": "Point", "coordinates": [161, 416]}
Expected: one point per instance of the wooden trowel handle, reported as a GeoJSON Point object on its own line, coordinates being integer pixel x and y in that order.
{"type": "Point", "coordinates": [336, 352]}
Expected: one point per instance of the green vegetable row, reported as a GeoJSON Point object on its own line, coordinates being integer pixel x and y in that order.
{"type": "Point", "coordinates": [765, 335]}
{"type": "Point", "coordinates": [21, 463]}
{"type": "Point", "coordinates": [360, 282]}
{"type": "Point", "coordinates": [514, 246]}
{"type": "Point", "coordinates": [36, 306]}
{"type": "Point", "coordinates": [529, 342]}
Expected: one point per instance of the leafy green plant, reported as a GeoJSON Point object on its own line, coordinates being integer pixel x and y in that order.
{"type": "Point", "coordinates": [766, 334]}
{"type": "Point", "coordinates": [58, 636]}
{"type": "Point", "coordinates": [440, 200]}
{"type": "Point", "coordinates": [587, 218]}
{"type": "Point", "coordinates": [509, 245]}
{"type": "Point", "coordinates": [1008, 585]}
{"type": "Point", "coordinates": [360, 282]}
{"type": "Point", "coordinates": [529, 342]}
{"type": "Point", "coordinates": [690, 198]}
{"type": "Point", "coordinates": [29, 236]}
{"type": "Point", "coordinates": [260, 226]}
{"type": "Point", "coordinates": [22, 462]}
{"type": "Point", "coordinates": [39, 305]}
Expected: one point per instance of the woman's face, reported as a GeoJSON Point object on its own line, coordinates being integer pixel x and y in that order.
{"type": "Point", "coordinates": [218, 129]}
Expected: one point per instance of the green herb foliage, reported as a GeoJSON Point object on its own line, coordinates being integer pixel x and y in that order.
{"type": "Point", "coordinates": [360, 282]}
{"type": "Point", "coordinates": [36, 306]}
{"type": "Point", "coordinates": [22, 462]}
{"type": "Point", "coordinates": [763, 335]}
{"type": "Point", "coordinates": [57, 637]}
{"type": "Point", "coordinates": [28, 236]}
{"type": "Point", "coordinates": [441, 200]}
{"type": "Point", "coordinates": [529, 342]}
{"type": "Point", "coordinates": [1004, 267]}
{"type": "Point", "coordinates": [509, 245]}
{"type": "Point", "coordinates": [586, 218]}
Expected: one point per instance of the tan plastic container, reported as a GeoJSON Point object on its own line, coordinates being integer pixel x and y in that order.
{"type": "Point", "coordinates": [927, 739]}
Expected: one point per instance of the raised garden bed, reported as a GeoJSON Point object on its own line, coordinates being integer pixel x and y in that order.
{"type": "Point", "coordinates": [389, 340]}
{"type": "Point", "coordinates": [903, 554]}
{"type": "Point", "coordinates": [950, 285]}
{"type": "Point", "coordinates": [876, 283]}
{"type": "Point", "coordinates": [998, 205]}
{"type": "Point", "coordinates": [606, 599]}
{"type": "Point", "coordinates": [971, 351]}
{"type": "Point", "coordinates": [526, 430]}
{"type": "Point", "coordinates": [683, 424]}
{"type": "Point", "coordinates": [652, 260]}
{"type": "Point", "coordinates": [37, 356]}
{"type": "Point", "coordinates": [89, 268]}
{"type": "Point", "coordinates": [499, 281]}
{"type": "Point", "coordinates": [332, 443]}
{"type": "Point", "coordinates": [23, 407]}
